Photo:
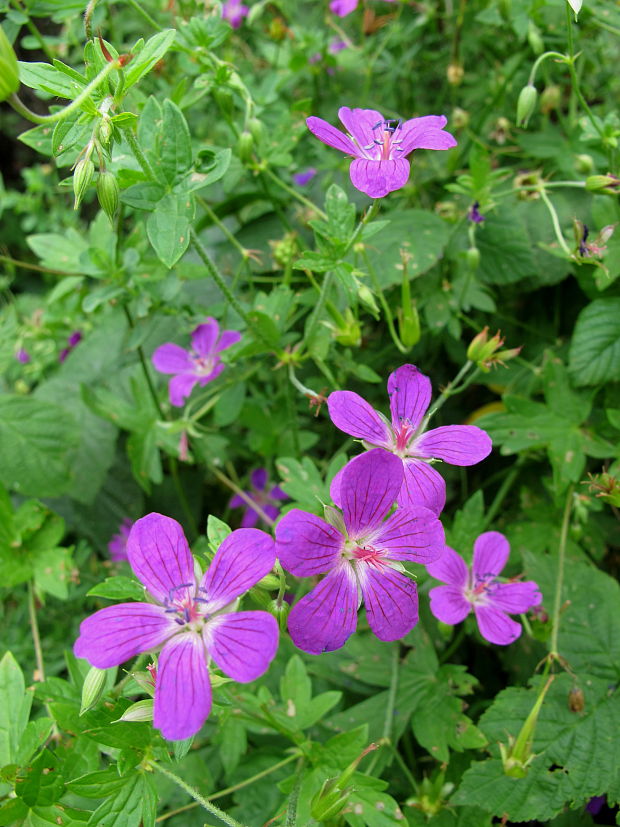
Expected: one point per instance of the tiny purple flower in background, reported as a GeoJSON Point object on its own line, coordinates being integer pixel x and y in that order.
{"type": "Point", "coordinates": [118, 544]}
{"type": "Point", "coordinates": [343, 7]}
{"type": "Point", "coordinates": [410, 395]}
{"type": "Point", "coordinates": [234, 11]}
{"type": "Point", "coordinates": [302, 178]}
{"type": "Point", "coordinates": [481, 591]}
{"type": "Point", "coordinates": [337, 46]}
{"type": "Point", "coordinates": [22, 356]}
{"type": "Point", "coordinates": [266, 498]}
{"type": "Point", "coordinates": [595, 805]}
{"type": "Point", "coordinates": [74, 339]}
{"type": "Point", "coordinates": [361, 558]}
{"type": "Point", "coordinates": [475, 215]}
{"type": "Point", "coordinates": [380, 146]}
{"type": "Point", "coordinates": [192, 621]}
{"type": "Point", "coordinates": [200, 365]}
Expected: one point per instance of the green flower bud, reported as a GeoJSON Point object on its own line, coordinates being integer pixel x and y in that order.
{"type": "Point", "coordinates": [584, 164]}
{"type": "Point", "coordinates": [108, 193]}
{"type": "Point", "coordinates": [269, 582]}
{"type": "Point", "coordinates": [473, 258]}
{"type": "Point", "coordinates": [526, 104]}
{"type": "Point", "coordinates": [367, 298]}
{"type": "Point", "coordinates": [280, 612]}
{"type": "Point", "coordinates": [245, 146]}
{"type": "Point", "coordinates": [9, 71]}
{"type": "Point", "coordinates": [534, 38]}
{"type": "Point", "coordinates": [329, 801]}
{"type": "Point", "coordinates": [603, 183]}
{"type": "Point", "coordinates": [105, 130]}
{"type": "Point", "coordinates": [257, 129]}
{"type": "Point", "coordinates": [82, 176]}
{"type": "Point", "coordinates": [140, 711]}
{"type": "Point", "coordinates": [93, 688]}
{"type": "Point", "coordinates": [409, 326]}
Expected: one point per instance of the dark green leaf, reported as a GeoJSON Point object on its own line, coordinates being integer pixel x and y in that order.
{"type": "Point", "coordinates": [595, 347]}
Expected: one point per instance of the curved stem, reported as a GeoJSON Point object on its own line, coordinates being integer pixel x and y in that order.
{"type": "Point", "coordinates": [384, 305]}
{"type": "Point", "coordinates": [503, 491]}
{"type": "Point", "coordinates": [555, 221]}
{"type": "Point", "coordinates": [244, 496]}
{"type": "Point", "coordinates": [557, 603]}
{"type": "Point", "coordinates": [450, 390]}
{"type": "Point", "coordinates": [573, 74]}
{"type": "Point", "coordinates": [539, 60]}
{"type": "Point", "coordinates": [23, 110]}
{"type": "Point", "coordinates": [301, 198]}
{"type": "Point", "coordinates": [34, 628]}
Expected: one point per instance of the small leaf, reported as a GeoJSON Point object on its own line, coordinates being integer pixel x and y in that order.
{"type": "Point", "coordinates": [153, 51]}
{"type": "Point", "coordinates": [168, 227]}
{"type": "Point", "coordinates": [118, 588]}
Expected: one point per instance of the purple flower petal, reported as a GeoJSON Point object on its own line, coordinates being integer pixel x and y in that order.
{"type": "Point", "coordinates": [258, 478]}
{"type": "Point", "coordinates": [391, 601]}
{"type": "Point", "coordinates": [426, 133]}
{"type": "Point", "coordinates": [272, 511]}
{"type": "Point", "coordinates": [114, 634]}
{"type": "Point", "coordinates": [353, 415]}
{"type": "Point", "coordinates": [495, 626]}
{"type": "Point", "coordinates": [182, 688]}
{"type": "Point", "coordinates": [204, 380]}
{"type": "Point", "coordinates": [242, 644]}
{"type": "Point", "coordinates": [410, 395]}
{"type": "Point", "coordinates": [491, 552]}
{"type": "Point", "coordinates": [180, 387]}
{"type": "Point", "coordinates": [450, 568]}
{"type": "Point", "coordinates": [343, 7]}
{"type": "Point", "coordinates": [378, 178]}
{"type": "Point", "coordinates": [277, 493]}
{"type": "Point", "coordinates": [448, 604]}
{"type": "Point", "coordinates": [456, 444]}
{"type": "Point", "coordinates": [326, 618]}
{"type": "Point", "coordinates": [250, 517]}
{"type": "Point", "coordinates": [515, 598]}
{"type": "Point", "coordinates": [159, 555]}
{"type": "Point", "coordinates": [413, 534]}
{"type": "Point", "coordinates": [306, 545]}
{"type": "Point", "coordinates": [205, 336]}
{"type": "Point", "coordinates": [368, 490]}
{"type": "Point", "coordinates": [170, 358]}
{"type": "Point", "coordinates": [422, 485]}
{"type": "Point", "coordinates": [244, 557]}
{"type": "Point", "coordinates": [237, 502]}
{"type": "Point", "coordinates": [228, 339]}
{"type": "Point", "coordinates": [359, 123]}
{"type": "Point", "coordinates": [331, 136]}
{"type": "Point", "coordinates": [303, 178]}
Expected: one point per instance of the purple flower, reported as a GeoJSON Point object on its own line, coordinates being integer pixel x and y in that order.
{"type": "Point", "coordinates": [263, 497]}
{"type": "Point", "coordinates": [343, 7]}
{"type": "Point", "coordinates": [200, 365]}
{"type": "Point", "coordinates": [118, 544]}
{"type": "Point", "coordinates": [361, 556]}
{"type": "Point", "coordinates": [302, 178]}
{"type": "Point", "coordinates": [481, 591]}
{"type": "Point", "coordinates": [475, 215]}
{"type": "Point", "coordinates": [193, 622]}
{"type": "Point", "coordinates": [22, 356]}
{"type": "Point", "coordinates": [380, 146]}
{"type": "Point", "coordinates": [595, 805]}
{"type": "Point", "coordinates": [74, 339]}
{"type": "Point", "coordinates": [234, 11]}
{"type": "Point", "coordinates": [337, 46]}
{"type": "Point", "coordinates": [410, 395]}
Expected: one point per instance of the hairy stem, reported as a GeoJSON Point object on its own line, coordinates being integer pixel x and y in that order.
{"type": "Point", "coordinates": [557, 603]}
{"type": "Point", "coordinates": [198, 798]}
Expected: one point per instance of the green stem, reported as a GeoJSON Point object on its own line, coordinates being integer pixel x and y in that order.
{"type": "Point", "coordinates": [34, 628]}
{"type": "Point", "coordinates": [555, 221]}
{"type": "Point", "coordinates": [35, 32]}
{"type": "Point", "coordinates": [198, 798]}
{"type": "Point", "coordinates": [291, 810]}
{"type": "Point", "coordinates": [388, 719]}
{"type": "Point", "coordinates": [88, 19]}
{"type": "Point", "coordinates": [23, 110]}
{"type": "Point", "coordinates": [303, 390]}
{"type": "Point", "coordinates": [539, 60]}
{"type": "Point", "coordinates": [503, 491]}
{"type": "Point", "coordinates": [573, 73]}
{"type": "Point", "coordinates": [557, 603]}
{"type": "Point", "coordinates": [26, 265]}
{"type": "Point", "coordinates": [384, 305]}
{"type": "Point", "coordinates": [141, 158]}
{"type": "Point", "coordinates": [143, 13]}
{"type": "Point", "coordinates": [215, 219]}
{"type": "Point", "coordinates": [365, 219]}
{"type": "Point", "coordinates": [301, 198]}
{"type": "Point", "coordinates": [450, 390]}
{"type": "Point", "coordinates": [246, 499]}
{"type": "Point", "coordinates": [318, 308]}
{"type": "Point", "coordinates": [455, 643]}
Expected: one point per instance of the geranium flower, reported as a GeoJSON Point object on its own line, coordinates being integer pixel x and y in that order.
{"type": "Point", "coordinates": [22, 356]}
{"type": "Point", "coordinates": [481, 591]}
{"type": "Point", "coordinates": [361, 556]}
{"type": "Point", "coordinates": [302, 178]}
{"type": "Point", "coordinates": [200, 365]}
{"type": "Point", "coordinates": [234, 11]}
{"type": "Point", "coordinates": [73, 341]}
{"type": "Point", "coordinates": [344, 7]}
{"type": "Point", "coordinates": [194, 621]}
{"type": "Point", "coordinates": [118, 543]}
{"type": "Point", "coordinates": [380, 146]}
{"type": "Point", "coordinates": [410, 395]}
{"type": "Point", "coordinates": [266, 498]}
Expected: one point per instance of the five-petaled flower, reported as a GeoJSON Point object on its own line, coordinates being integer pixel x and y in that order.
{"type": "Point", "coordinates": [264, 496]}
{"type": "Point", "coordinates": [361, 555]}
{"type": "Point", "coordinates": [380, 146]}
{"type": "Point", "coordinates": [200, 365]}
{"type": "Point", "coordinates": [195, 622]}
{"type": "Point", "coordinates": [118, 543]}
{"type": "Point", "coordinates": [234, 11]}
{"type": "Point", "coordinates": [410, 395]}
{"type": "Point", "coordinates": [481, 591]}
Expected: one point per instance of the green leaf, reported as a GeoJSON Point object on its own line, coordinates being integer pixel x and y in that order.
{"type": "Point", "coordinates": [340, 214]}
{"type": "Point", "coordinates": [126, 806]}
{"type": "Point", "coordinates": [143, 196]}
{"type": "Point", "coordinates": [211, 165]}
{"type": "Point", "coordinates": [369, 807]}
{"type": "Point", "coordinates": [175, 148]}
{"type": "Point", "coordinates": [168, 226]}
{"type": "Point", "coordinates": [36, 440]}
{"type": "Point", "coordinates": [303, 482]}
{"type": "Point", "coordinates": [301, 710]}
{"type": "Point", "coordinates": [217, 531]}
{"type": "Point", "coordinates": [52, 569]}
{"type": "Point", "coordinates": [595, 347]}
{"type": "Point", "coordinates": [59, 252]}
{"type": "Point", "coordinates": [118, 587]}
{"type": "Point", "coordinates": [505, 250]}
{"type": "Point", "coordinates": [317, 262]}
{"type": "Point", "coordinates": [264, 328]}
{"type": "Point", "coordinates": [152, 52]}
{"type": "Point", "coordinates": [15, 705]}
{"type": "Point", "coordinates": [46, 78]}
{"type": "Point", "coordinates": [42, 784]}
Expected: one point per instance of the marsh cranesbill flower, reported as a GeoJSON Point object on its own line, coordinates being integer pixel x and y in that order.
{"type": "Point", "coordinates": [474, 214]}
{"type": "Point", "coordinates": [480, 590]}
{"type": "Point", "coordinates": [263, 495]}
{"type": "Point", "coordinates": [302, 178]}
{"type": "Point", "coordinates": [22, 356]}
{"type": "Point", "coordinates": [361, 555]}
{"type": "Point", "coordinates": [234, 11]}
{"type": "Point", "coordinates": [200, 365]}
{"type": "Point", "coordinates": [193, 622]}
{"type": "Point", "coordinates": [406, 437]}
{"type": "Point", "coordinates": [344, 7]}
{"type": "Point", "coordinates": [118, 544]}
{"type": "Point", "coordinates": [74, 339]}
{"type": "Point", "coordinates": [380, 146]}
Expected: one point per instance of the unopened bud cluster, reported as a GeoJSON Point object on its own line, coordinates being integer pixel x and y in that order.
{"type": "Point", "coordinates": [485, 351]}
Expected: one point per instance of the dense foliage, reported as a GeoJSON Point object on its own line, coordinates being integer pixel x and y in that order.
{"type": "Point", "coordinates": [202, 306]}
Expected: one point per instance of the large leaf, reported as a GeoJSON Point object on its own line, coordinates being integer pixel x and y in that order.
{"type": "Point", "coordinates": [175, 147]}
{"type": "Point", "coordinates": [152, 52]}
{"type": "Point", "coordinates": [168, 226]}
{"type": "Point", "coordinates": [595, 348]}
{"type": "Point", "coordinates": [15, 705]}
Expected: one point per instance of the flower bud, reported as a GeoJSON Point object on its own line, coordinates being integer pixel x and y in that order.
{"type": "Point", "coordinates": [550, 98]}
{"type": "Point", "coordinates": [93, 688]}
{"type": "Point", "coordinates": [9, 70]}
{"type": "Point", "coordinates": [347, 330]}
{"type": "Point", "coordinates": [526, 104]}
{"type": "Point", "coordinates": [257, 129]}
{"type": "Point", "coordinates": [334, 517]}
{"type": "Point", "coordinates": [108, 193]}
{"type": "Point", "coordinates": [459, 118]}
{"type": "Point", "coordinates": [367, 298]}
{"type": "Point", "coordinates": [105, 130]}
{"type": "Point", "coordinates": [409, 325]}
{"type": "Point", "coordinates": [269, 582]}
{"type": "Point", "coordinates": [280, 611]}
{"type": "Point", "coordinates": [329, 801]}
{"type": "Point", "coordinates": [140, 711]}
{"type": "Point", "coordinates": [484, 351]}
{"type": "Point", "coordinates": [584, 164]}
{"type": "Point", "coordinates": [603, 183]}
{"type": "Point", "coordinates": [455, 73]}
{"type": "Point", "coordinates": [534, 38]}
{"type": "Point", "coordinates": [82, 176]}
{"type": "Point", "coordinates": [473, 258]}
{"type": "Point", "coordinates": [146, 680]}
{"type": "Point", "coordinates": [245, 145]}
